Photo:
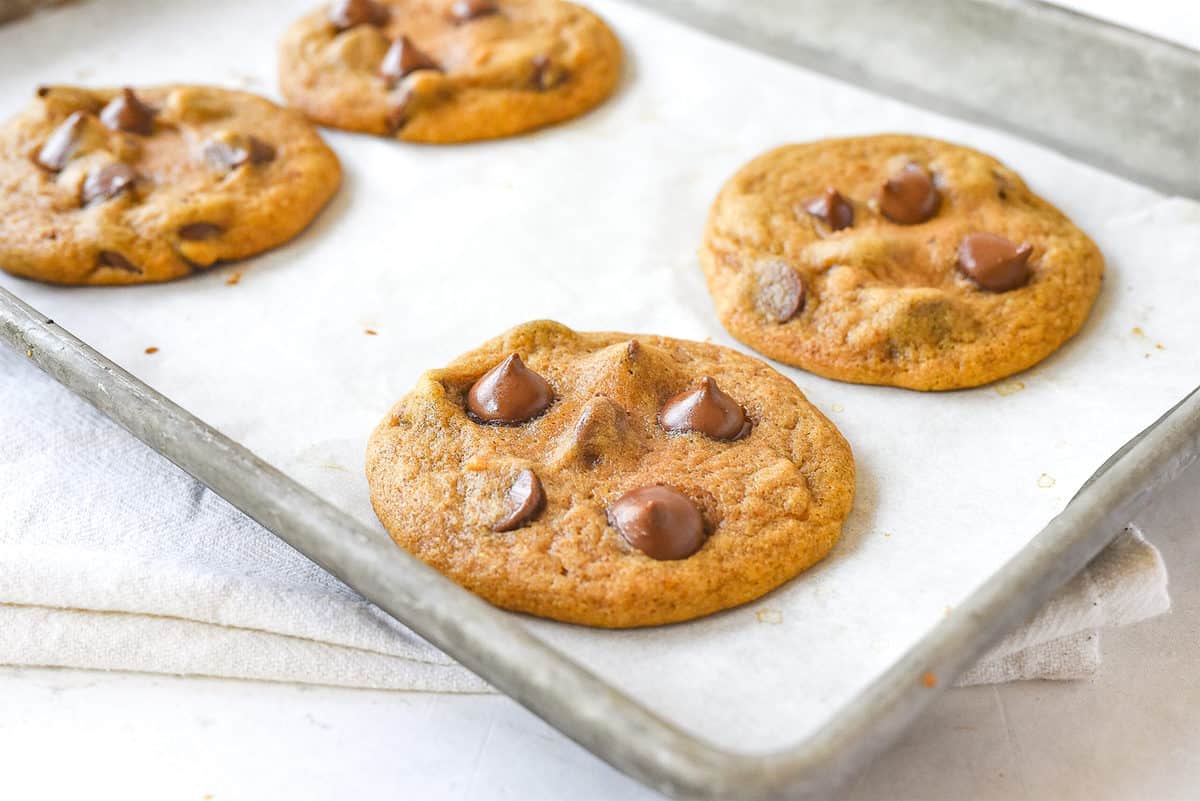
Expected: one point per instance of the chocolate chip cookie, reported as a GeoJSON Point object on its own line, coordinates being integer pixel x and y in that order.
{"type": "Point", "coordinates": [896, 260]}
{"type": "Point", "coordinates": [609, 479]}
{"type": "Point", "coordinates": [123, 186]}
{"type": "Point", "coordinates": [445, 71]}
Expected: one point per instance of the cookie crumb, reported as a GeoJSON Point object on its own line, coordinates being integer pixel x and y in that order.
{"type": "Point", "coordinates": [1159, 346]}
{"type": "Point", "coordinates": [151, 350]}
{"type": "Point", "coordinates": [1138, 332]}
{"type": "Point", "coordinates": [1009, 388]}
{"type": "Point", "coordinates": [929, 680]}
{"type": "Point", "coordinates": [887, 533]}
{"type": "Point", "coordinates": [371, 332]}
{"type": "Point", "coordinates": [29, 353]}
{"type": "Point", "coordinates": [1046, 481]}
{"type": "Point", "coordinates": [233, 279]}
{"type": "Point", "coordinates": [837, 407]}
{"type": "Point", "coordinates": [772, 616]}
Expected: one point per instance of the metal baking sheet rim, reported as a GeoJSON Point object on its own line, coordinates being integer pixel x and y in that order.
{"type": "Point", "coordinates": [580, 704]}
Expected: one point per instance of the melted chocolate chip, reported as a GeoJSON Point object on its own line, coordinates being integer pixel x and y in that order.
{"type": "Point", "coordinates": [705, 409]}
{"type": "Point", "coordinates": [832, 209]}
{"type": "Point", "coordinates": [232, 151]}
{"type": "Point", "coordinates": [509, 393]}
{"type": "Point", "coordinates": [109, 258]}
{"type": "Point", "coordinates": [60, 145]}
{"type": "Point", "coordinates": [781, 291]}
{"type": "Point", "coordinates": [126, 112]}
{"type": "Point", "coordinates": [525, 499]}
{"type": "Point", "coordinates": [108, 182]}
{"type": "Point", "coordinates": [402, 58]}
{"type": "Point", "coordinates": [546, 73]}
{"type": "Point", "coordinates": [200, 230]}
{"type": "Point", "coordinates": [993, 262]}
{"type": "Point", "coordinates": [349, 13]}
{"type": "Point", "coordinates": [909, 196]}
{"type": "Point", "coordinates": [659, 521]}
{"type": "Point", "coordinates": [467, 10]}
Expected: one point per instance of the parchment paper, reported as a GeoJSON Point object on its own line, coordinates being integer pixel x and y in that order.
{"type": "Point", "coordinates": [596, 223]}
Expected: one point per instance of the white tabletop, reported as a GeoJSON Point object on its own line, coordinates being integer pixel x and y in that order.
{"type": "Point", "coordinates": [1133, 732]}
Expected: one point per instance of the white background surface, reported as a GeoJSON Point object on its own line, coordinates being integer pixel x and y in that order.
{"type": "Point", "coordinates": [1132, 733]}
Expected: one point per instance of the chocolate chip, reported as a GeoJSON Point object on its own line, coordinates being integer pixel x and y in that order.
{"type": "Point", "coordinates": [509, 393]}
{"type": "Point", "coordinates": [404, 57]}
{"type": "Point", "coordinates": [200, 230]}
{"type": "Point", "coordinates": [108, 182]}
{"type": "Point", "coordinates": [109, 258]}
{"type": "Point", "coordinates": [349, 13]}
{"type": "Point", "coordinates": [705, 409]}
{"type": "Point", "coordinates": [467, 10]}
{"type": "Point", "coordinates": [546, 73]}
{"type": "Point", "coordinates": [60, 145]}
{"type": "Point", "coordinates": [525, 499]}
{"type": "Point", "coordinates": [126, 112]}
{"type": "Point", "coordinates": [832, 209]}
{"type": "Point", "coordinates": [993, 262]}
{"type": "Point", "coordinates": [781, 292]}
{"type": "Point", "coordinates": [231, 151]}
{"type": "Point", "coordinates": [659, 521]}
{"type": "Point", "coordinates": [398, 114]}
{"type": "Point", "coordinates": [909, 196]}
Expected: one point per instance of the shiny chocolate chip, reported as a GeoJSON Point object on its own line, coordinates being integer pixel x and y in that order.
{"type": "Point", "coordinates": [707, 410]}
{"type": "Point", "coordinates": [546, 73]}
{"type": "Point", "coordinates": [909, 196]}
{"type": "Point", "coordinates": [832, 209]}
{"type": "Point", "coordinates": [993, 262]}
{"type": "Point", "coordinates": [525, 499]}
{"type": "Point", "coordinates": [781, 291]}
{"type": "Point", "coordinates": [659, 521]}
{"type": "Point", "coordinates": [400, 111]}
{"type": "Point", "coordinates": [350, 13]}
{"type": "Point", "coordinates": [509, 393]}
{"type": "Point", "coordinates": [110, 258]}
{"type": "Point", "coordinates": [56, 151]}
{"type": "Point", "coordinates": [126, 112]}
{"type": "Point", "coordinates": [194, 232]}
{"type": "Point", "coordinates": [108, 182]}
{"type": "Point", "coordinates": [467, 10]}
{"type": "Point", "coordinates": [404, 57]}
{"type": "Point", "coordinates": [231, 151]}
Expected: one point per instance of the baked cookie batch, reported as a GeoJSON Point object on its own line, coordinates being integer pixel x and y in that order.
{"type": "Point", "coordinates": [605, 479]}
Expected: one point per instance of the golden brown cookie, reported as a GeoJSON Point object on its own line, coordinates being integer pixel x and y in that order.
{"type": "Point", "coordinates": [444, 71]}
{"type": "Point", "coordinates": [896, 260]}
{"type": "Point", "coordinates": [609, 479]}
{"type": "Point", "coordinates": [109, 186]}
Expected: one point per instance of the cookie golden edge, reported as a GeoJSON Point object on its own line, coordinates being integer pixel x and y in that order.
{"type": "Point", "coordinates": [668, 591]}
{"type": "Point", "coordinates": [718, 251]}
{"type": "Point", "coordinates": [473, 116]}
{"type": "Point", "coordinates": [47, 247]}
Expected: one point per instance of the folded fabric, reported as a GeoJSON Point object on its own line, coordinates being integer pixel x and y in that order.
{"type": "Point", "coordinates": [112, 558]}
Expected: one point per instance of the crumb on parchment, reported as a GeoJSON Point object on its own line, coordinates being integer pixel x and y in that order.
{"type": "Point", "coordinates": [151, 350]}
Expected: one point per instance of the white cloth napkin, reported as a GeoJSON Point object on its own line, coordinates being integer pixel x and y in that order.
{"type": "Point", "coordinates": [112, 558]}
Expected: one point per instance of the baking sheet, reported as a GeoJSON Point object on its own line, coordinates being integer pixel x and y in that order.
{"type": "Point", "coordinates": [596, 223]}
